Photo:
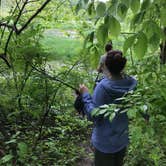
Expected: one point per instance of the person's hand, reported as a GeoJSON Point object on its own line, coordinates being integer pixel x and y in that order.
{"type": "Point", "coordinates": [83, 89]}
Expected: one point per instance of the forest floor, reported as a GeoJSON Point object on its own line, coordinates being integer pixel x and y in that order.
{"type": "Point", "coordinates": [88, 159]}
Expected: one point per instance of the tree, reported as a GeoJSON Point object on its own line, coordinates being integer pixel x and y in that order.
{"type": "Point", "coordinates": [146, 20]}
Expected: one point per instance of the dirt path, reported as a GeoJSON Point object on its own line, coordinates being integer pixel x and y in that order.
{"type": "Point", "coordinates": [87, 160]}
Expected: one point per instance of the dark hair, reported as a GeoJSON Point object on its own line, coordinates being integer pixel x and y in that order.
{"type": "Point", "coordinates": [108, 46]}
{"type": "Point", "coordinates": [115, 62]}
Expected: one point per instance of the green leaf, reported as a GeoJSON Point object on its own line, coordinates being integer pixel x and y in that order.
{"type": "Point", "coordinates": [122, 10]}
{"type": "Point", "coordinates": [102, 33]}
{"type": "Point", "coordinates": [135, 5]}
{"type": "Point", "coordinates": [6, 158]}
{"type": "Point", "coordinates": [111, 117]}
{"type": "Point", "coordinates": [100, 9]}
{"type": "Point", "coordinates": [23, 149]}
{"type": "Point", "coordinates": [86, 1]}
{"type": "Point", "coordinates": [114, 26]}
{"type": "Point", "coordinates": [154, 41]}
{"type": "Point", "coordinates": [151, 28]}
{"type": "Point", "coordinates": [145, 4]}
{"type": "Point", "coordinates": [126, 2]}
{"type": "Point", "coordinates": [91, 8]}
{"type": "Point", "coordinates": [94, 112]}
{"type": "Point", "coordinates": [106, 114]}
{"type": "Point", "coordinates": [94, 51]}
{"type": "Point", "coordinates": [107, 20]}
{"type": "Point", "coordinates": [140, 46]}
{"type": "Point", "coordinates": [125, 110]}
{"type": "Point", "coordinates": [112, 9]}
{"type": "Point", "coordinates": [102, 111]}
{"type": "Point", "coordinates": [131, 113]}
{"type": "Point", "coordinates": [104, 106]}
{"type": "Point", "coordinates": [91, 37]}
{"type": "Point", "coordinates": [78, 6]}
{"type": "Point", "coordinates": [11, 141]}
{"type": "Point", "coordinates": [137, 19]}
{"type": "Point", "coordinates": [162, 17]}
{"type": "Point", "coordinates": [128, 43]}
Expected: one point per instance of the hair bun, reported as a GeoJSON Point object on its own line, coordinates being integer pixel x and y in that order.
{"type": "Point", "coordinates": [115, 62]}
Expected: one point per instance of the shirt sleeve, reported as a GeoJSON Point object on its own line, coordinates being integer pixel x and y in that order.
{"type": "Point", "coordinates": [90, 103]}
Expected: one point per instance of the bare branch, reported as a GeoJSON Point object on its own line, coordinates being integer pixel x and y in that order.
{"type": "Point", "coordinates": [17, 4]}
{"type": "Point", "coordinates": [15, 23]}
{"type": "Point", "coordinates": [3, 56]}
{"type": "Point", "coordinates": [3, 31]}
{"type": "Point", "coordinates": [33, 16]}
{"type": "Point", "coordinates": [55, 78]}
{"type": "Point", "coordinates": [127, 33]}
{"type": "Point", "coordinates": [8, 26]}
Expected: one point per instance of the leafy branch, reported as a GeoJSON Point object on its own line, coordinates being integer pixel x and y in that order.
{"type": "Point", "coordinates": [14, 28]}
{"type": "Point", "coordinates": [48, 106]}
{"type": "Point", "coordinates": [123, 105]}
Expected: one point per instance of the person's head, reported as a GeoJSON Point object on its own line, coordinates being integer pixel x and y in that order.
{"type": "Point", "coordinates": [115, 62]}
{"type": "Point", "coordinates": [108, 47]}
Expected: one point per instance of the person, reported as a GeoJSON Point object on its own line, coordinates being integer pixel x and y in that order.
{"type": "Point", "coordinates": [110, 139]}
{"type": "Point", "coordinates": [78, 104]}
{"type": "Point", "coordinates": [101, 68]}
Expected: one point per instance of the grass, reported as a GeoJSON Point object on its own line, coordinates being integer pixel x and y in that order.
{"type": "Point", "coordinates": [60, 48]}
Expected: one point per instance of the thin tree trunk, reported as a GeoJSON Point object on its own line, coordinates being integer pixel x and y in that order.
{"type": "Point", "coordinates": [163, 49]}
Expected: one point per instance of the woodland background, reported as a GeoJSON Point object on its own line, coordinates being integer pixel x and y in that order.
{"type": "Point", "coordinates": [45, 44]}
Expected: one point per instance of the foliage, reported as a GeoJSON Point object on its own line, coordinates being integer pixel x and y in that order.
{"type": "Point", "coordinates": [145, 108]}
{"type": "Point", "coordinates": [145, 20]}
{"type": "Point", "coordinates": [37, 121]}
{"type": "Point", "coordinates": [23, 109]}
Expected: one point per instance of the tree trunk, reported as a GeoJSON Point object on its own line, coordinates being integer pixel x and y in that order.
{"type": "Point", "coordinates": [163, 49]}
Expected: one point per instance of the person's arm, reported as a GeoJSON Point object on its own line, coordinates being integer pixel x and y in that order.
{"type": "Point", "coordinates": [90, 103]}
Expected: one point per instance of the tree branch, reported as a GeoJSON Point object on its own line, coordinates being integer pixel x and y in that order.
{"type": "Point", "coordinates": [127, 33]}
{"type": "Point", "coordinates": [9, 26]}
{"type": "Point", "coordinates": [33, 16]}
{"type": "Point", "coordinates": [54, 78]}
{"type": "Point", "coordinates": [15, 23]}
{"type": "Point", "coordinates": [14, 26]}
{"type": "Point", "coordinates": [4, 57]}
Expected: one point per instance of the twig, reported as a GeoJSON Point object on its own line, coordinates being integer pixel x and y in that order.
{"type": "Point", "coordinates": [127, 33]}
{"type": "Point", "coordinates": [54, 78]}
{"type": "Point", "coordinates": [15, 23]}
{"type": "Point", "coordinates": [4, 57]}
{"type": "Point", "coordinates": [3, 32]}
{"type": "Point", "coordinates": [8, 26]}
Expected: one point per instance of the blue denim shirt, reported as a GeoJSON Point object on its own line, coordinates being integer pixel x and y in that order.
{"type": "Point", "coordinates": [109, 137]}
